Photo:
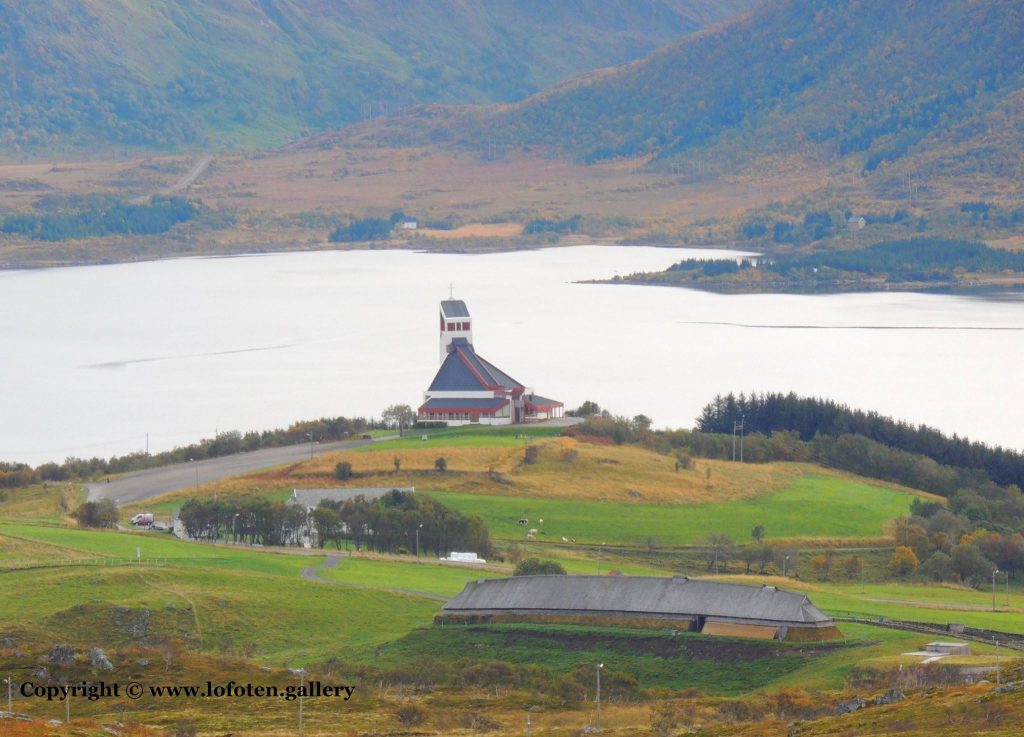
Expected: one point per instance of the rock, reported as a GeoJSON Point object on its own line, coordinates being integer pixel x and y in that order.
{"type": "Point", "coordinates": [61, 655]}
{"type": "Point", "coordinates": [265, 669]}
{"type": "Point", "coordinates": [848, 707]}
{"type": "Point", "coordinates": [133, 622]}
{"type": "Point", "coordinates": [41, 673]}
{"type": "Point", "coordinates": [7, 642]}
{"type": "Point", "coordinates": [142, 662]}
{"type": "Point", "coordinates": [890, 697]}
{"type": "Point", "coordinates": [99, 659]}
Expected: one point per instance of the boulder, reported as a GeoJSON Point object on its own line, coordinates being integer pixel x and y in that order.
{"type": "Point", "coordinates": [890, 697]}
{"type": "Point", "coordinates": [61, 655]}
{"type": "Point", "coordinates": [848, 707]}
{"type": "Point", "coordinates": [99, 659]}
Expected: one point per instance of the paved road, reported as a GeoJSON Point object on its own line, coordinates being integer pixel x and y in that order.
{"type": "Point", "coordinates": [140, 485]}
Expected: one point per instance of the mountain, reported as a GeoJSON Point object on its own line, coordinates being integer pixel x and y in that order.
{"type": "Point", "coordinates": [171, 73]}
{"type": "Point", "coordinates": [874, 80]}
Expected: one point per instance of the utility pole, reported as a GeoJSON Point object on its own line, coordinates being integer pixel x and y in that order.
{"type": "Point", "coordinates": [996, 643]}
{"type": "Point", "coordinates": [418, 542]}
{"type": "Point", "coordinates": [994, 572]}
{"type": "Point", "coordinates": [737, 426]}
{"type": "Point", "coordinates": [598, 722]}
{"type": "Point", "coordinates": [310, 436]}
{"type": "Point", "coordinates": [10, 684]}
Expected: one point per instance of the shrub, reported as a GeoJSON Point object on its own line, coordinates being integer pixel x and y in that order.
{"type": "Point", "coordinates": [96, 514]}
{"type": "Point", "coordinates": [343, 470]}
{"type": "Point", "coordinates": [531, 454]}
{"type": "Point", "coordinates": [411, 715]}
{"type": "Point", "coordinates": [538, 567]}
{"type": "Point", "coordinates": [441, 464]}
{"type": "Point", "coordinates": [903, 561]}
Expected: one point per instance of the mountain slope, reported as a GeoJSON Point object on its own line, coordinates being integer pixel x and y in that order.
{"type": "Point", "coordinates": [167, 73]}
{"type": "Point", "coordinates": [869, 78]}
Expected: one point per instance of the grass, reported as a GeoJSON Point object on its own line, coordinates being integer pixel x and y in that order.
{"type": "Point", "coordinates": [812, 506]}
{"type": "Point", "coordinates": [656, 659]}
{"type": "Point", "coordinates": [242, 597]}
{"type": "Point", "coordinates": [426, 577]}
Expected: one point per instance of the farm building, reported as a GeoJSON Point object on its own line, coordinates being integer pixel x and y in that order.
{"type": "Point", "coordinates": [311, 498]}
{"type": "Point", "coordinates": [467, 388]}
{"type": "Point", "coordinates": [709, 607]}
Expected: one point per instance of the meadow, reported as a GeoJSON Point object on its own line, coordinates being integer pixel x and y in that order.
{"type": "Point", "coordinates": [808, 507]}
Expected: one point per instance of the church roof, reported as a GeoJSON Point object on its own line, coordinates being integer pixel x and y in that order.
{"type": "Point", "coordinates": [486, 404]}
{"type": "Point", "coordinates": [454, 308]}
{"type": "Point", "coordinates": [464, 370]}
{"type": "Point", "coordinates": [637, 595]}
{"type": "Point", "coordinates": [535, 401]}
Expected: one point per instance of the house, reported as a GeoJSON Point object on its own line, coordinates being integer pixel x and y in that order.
{"type": "Point", "coordinates": [410, 225]}
{"type": "Point", "coordinates": [708, 607]}
{"type": "Point", "coordinates": [311, 498]}
{"type": "Point", "coordinates": [469, 389]}
{"type": "Point", "coordinates": [856, 222]}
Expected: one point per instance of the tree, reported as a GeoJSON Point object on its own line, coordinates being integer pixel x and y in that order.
{"type": "Point", "coordinates": [398, 464]}
{"type": "Point", "coordinates": [399, 416]}
{"type": "Point", "coordinates": [853, 567]}
{"type": "Point", "coordinates": [757, 533]}
{"type": "Point", "coordinates": [441, 464]}
{"type": "Point", "coordinates": [970, 563]}
{"type": "Point", "coordinates": [328, 526]}
{"type": "Point", "coordinates": [822, 564]}
{"type": "Point", "coordinates": [717, 550]}
{"type": "Point", "coordinates": [912, 536]}
{"type": "Point", "coordinates": [939, 567]}
{"type": "Point", "coordinates": [343, 470]}
{"type": "Point", "coordinates": [903, 561]}
{"type": "Point", "coordinates": [538, 567]}
{"type": "Point", "coordinates": [96, 514]}
{"type": "Point", "coordinates": [587, 409]}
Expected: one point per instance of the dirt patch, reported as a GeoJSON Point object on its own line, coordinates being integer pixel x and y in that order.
{"type": "Point", "coordinates": [474, 230]}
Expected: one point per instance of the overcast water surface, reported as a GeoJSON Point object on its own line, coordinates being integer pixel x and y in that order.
{"type": "Point", "coordinates": [94, 358]}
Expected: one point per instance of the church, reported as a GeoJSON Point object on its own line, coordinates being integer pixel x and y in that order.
{"type": "Point", "coordinates": [468, 388]}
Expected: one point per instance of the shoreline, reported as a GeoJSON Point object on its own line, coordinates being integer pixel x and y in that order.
{"type": "Point", "coordinates": [472, 248]}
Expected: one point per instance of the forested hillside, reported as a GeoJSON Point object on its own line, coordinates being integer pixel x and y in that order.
{"type": "Point", "coordinates": [216, 72]}
{"type": "Point", "coordinates": [870, 79]}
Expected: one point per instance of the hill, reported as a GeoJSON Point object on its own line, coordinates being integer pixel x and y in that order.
{"type": "Point", "coordinates": [871, 80]}
{"type": "Point", "coordinates": [237, 73]}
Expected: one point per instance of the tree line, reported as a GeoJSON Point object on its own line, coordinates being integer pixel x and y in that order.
{"type": "Point", "coordinates": [106, 217]}
{"type": "Point", "coordinates": [811, 416]}
{"type": "Point", "coordinates": [388, 524]}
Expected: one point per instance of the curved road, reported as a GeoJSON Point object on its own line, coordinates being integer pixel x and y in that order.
{"type": "Point", "coordinates": [140, 485]}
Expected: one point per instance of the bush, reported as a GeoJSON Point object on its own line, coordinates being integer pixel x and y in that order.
{"type": "Point", "coordinates": [411, 715]}
{"type": "Point", "coordinates": [96, 514]}
{"type": "Point", "coordinates": [343, 470]}
{"type": "Point", "coordinates": [903, 561]}
{"type": "Point", "coordinates": [538, 567]}
{"type": "Point", "coordinates": [531, 454]}
{"type": "Point", "coordinates": [441, 464]}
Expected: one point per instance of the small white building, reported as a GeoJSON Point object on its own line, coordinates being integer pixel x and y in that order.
{"type": "Point", "coordinates": [856, 222]}
{"type": "Point", "coordinates": [471, 558]}
{"type": "Point", "coordinates": [409, 225]}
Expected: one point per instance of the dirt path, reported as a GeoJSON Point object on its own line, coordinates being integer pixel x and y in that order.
{"type": "Point", "coordinates": [332, 561]}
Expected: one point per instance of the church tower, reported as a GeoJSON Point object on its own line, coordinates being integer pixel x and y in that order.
{"type": "Point", "coordinates": [455, 325]}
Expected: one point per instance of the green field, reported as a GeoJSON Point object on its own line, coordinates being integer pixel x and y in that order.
{"type": "Point", "coordinates": [809, 507]}
{"type": "Point", "coordinates": [656, 659]}
{"type": "Point", "coordinates": [466, 436]}
{"type": "Point", "coordinates": [426, 577]}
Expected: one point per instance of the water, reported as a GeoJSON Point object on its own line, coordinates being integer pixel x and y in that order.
{"type": "Point", "coordinates": [94, 358]}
